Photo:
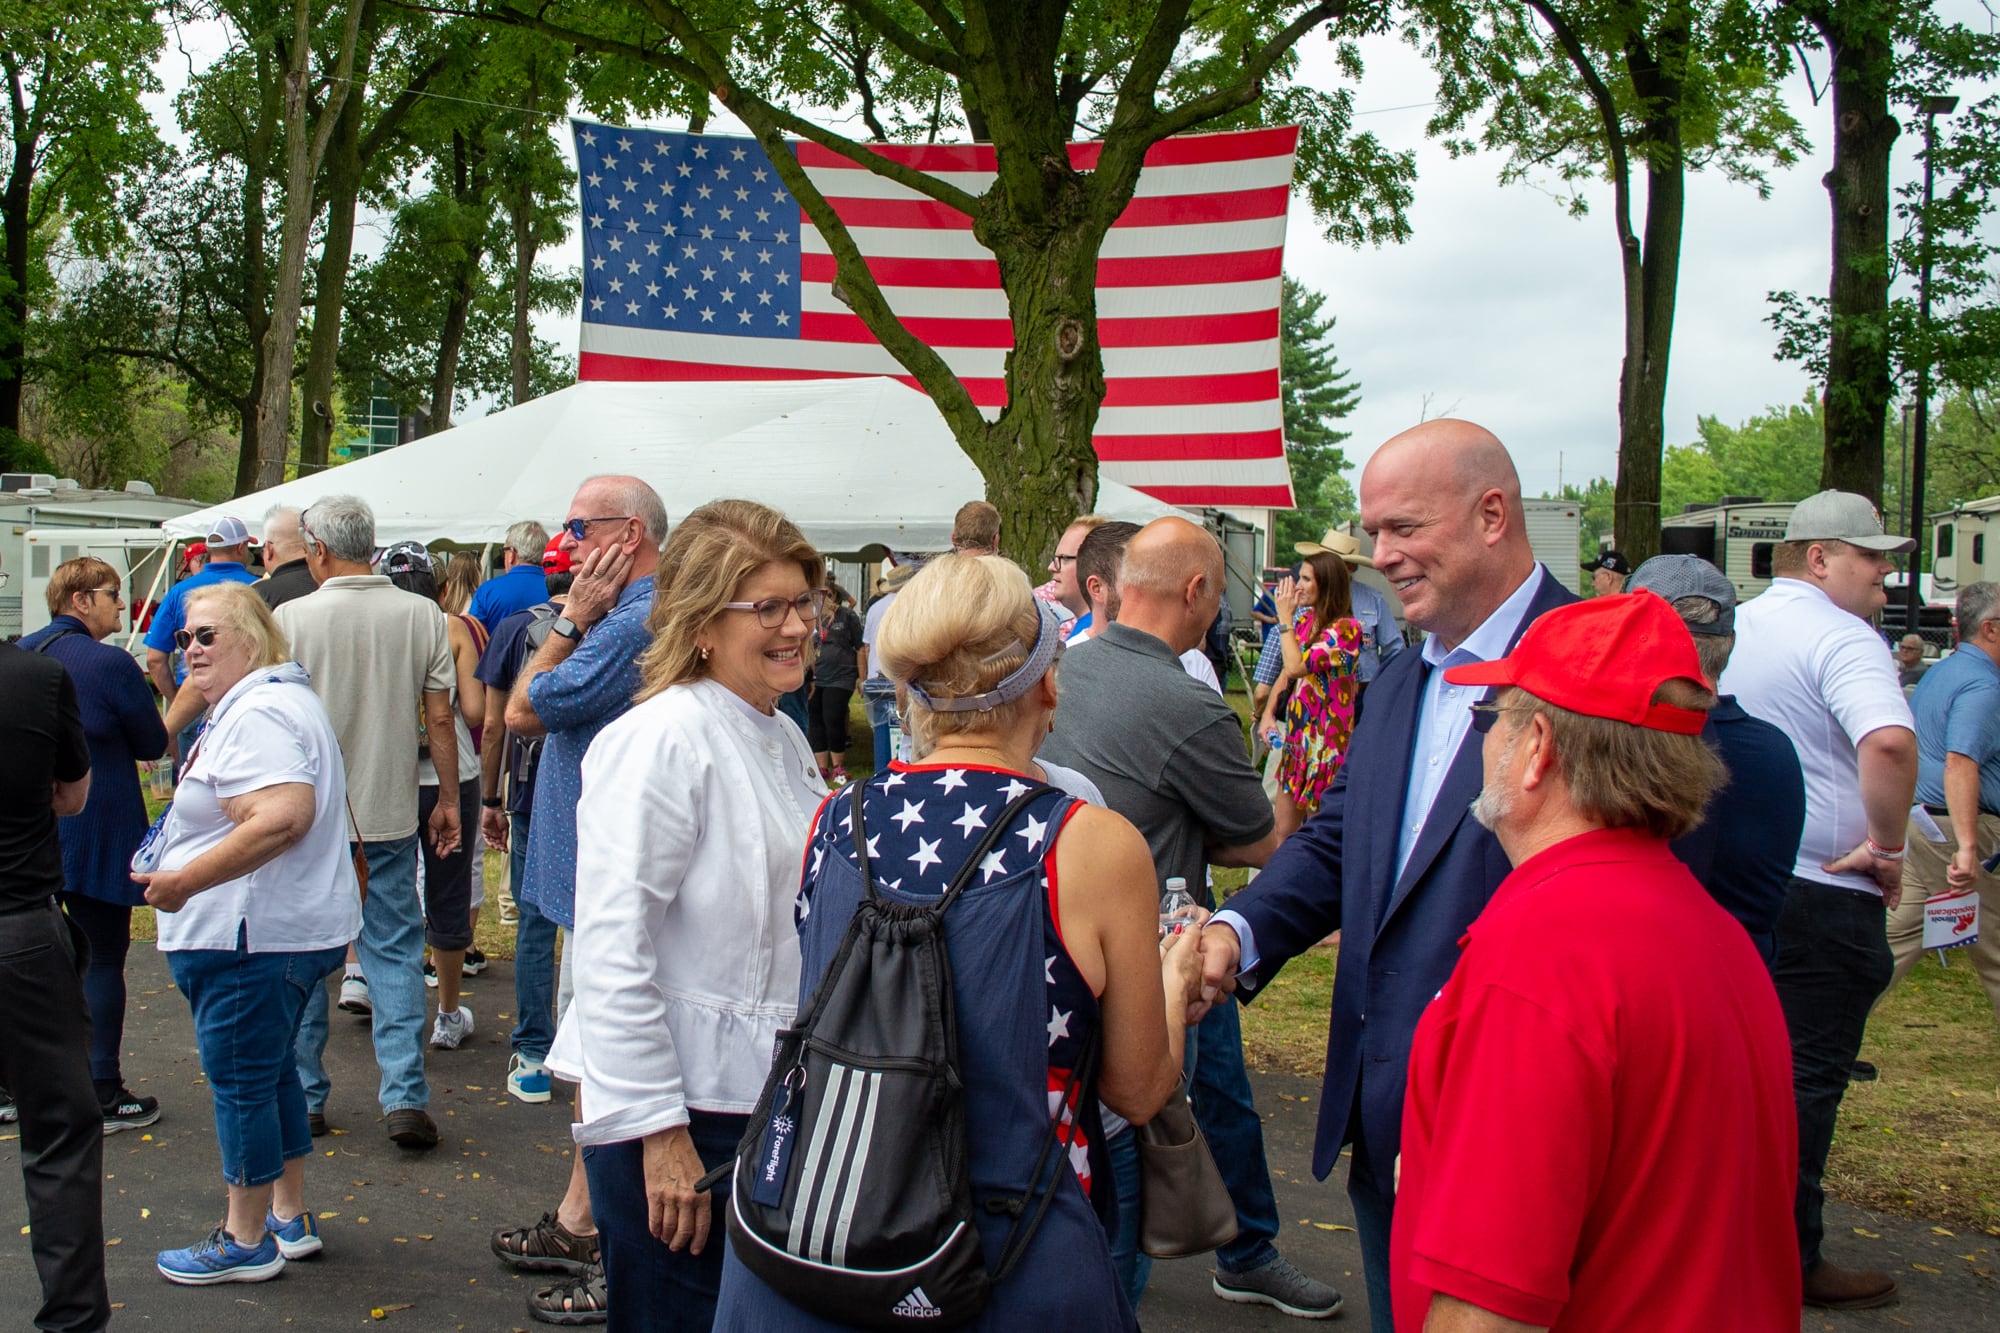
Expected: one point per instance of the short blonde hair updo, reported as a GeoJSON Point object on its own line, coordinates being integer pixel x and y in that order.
{"type": "Point", "coordinates": [959, 627]}
{"type": "Point", "coordinates": [705, 561]}
{"type": "Point", "coordinates": [239, 609]}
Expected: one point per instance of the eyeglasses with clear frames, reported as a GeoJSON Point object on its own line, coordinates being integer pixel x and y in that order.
{"type": "Point", "coordinates": [772, 610]}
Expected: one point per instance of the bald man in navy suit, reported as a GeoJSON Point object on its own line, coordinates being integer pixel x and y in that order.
{"type": "Point", "coordinates": [1394, 859]}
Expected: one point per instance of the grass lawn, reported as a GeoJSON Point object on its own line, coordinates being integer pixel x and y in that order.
{"type": "Point", "coordinates": [1923, 1141]}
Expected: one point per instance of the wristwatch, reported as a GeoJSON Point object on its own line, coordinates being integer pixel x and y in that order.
{"type": "Point", "coordinates": [491, 802]}
{"type": "Point", "coordinates": [568, 628]}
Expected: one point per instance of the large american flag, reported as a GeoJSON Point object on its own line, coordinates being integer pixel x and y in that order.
{"type": "Point", "coordinates": [700, 265]}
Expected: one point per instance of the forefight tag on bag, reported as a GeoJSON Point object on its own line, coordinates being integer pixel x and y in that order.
{"type": "Point", "coordinates": [1951, 919]}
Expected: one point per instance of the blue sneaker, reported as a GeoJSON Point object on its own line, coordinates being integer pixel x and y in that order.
{"type": "Point", "coordinates": [220, 1259]}
{"type": "Point", "coordinates": [296, 1238]}
{"type": "Point", "coordinates": [528, 1080]}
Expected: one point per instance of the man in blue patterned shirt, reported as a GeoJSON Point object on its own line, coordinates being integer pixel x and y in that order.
{"type": "Point", "coordinates": [580, 680]}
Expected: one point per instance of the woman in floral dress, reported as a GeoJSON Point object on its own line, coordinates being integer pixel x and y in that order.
{"type": "Point", "coordinates": [1316, 692]}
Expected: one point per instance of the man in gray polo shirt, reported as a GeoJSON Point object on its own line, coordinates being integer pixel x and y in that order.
{"type": "Point", "coordinates": [1168, 754]}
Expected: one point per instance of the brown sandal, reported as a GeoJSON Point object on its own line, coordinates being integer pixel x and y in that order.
{"type": "Point", "coordinates": [582, 1300]}
{"type": "Point", "coordinates": [546, 1247]}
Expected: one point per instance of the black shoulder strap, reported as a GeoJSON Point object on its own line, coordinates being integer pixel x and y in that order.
{"type": "Point", "coordinates": [972, 860]}
{"type": "Point", "coordinates": [50, 642]}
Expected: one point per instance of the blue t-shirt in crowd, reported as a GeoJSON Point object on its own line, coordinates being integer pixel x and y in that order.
{"type": "Point", "coordinates": [499, 666]}
{"type": "Point", "coordinates": [172, 613]}
{"type": "Point", "coordinates": [590, 689]}
{"type": "Point", "coordinates": [501, 596]}
{"type": "Point", "coordinates": [1957, 708]}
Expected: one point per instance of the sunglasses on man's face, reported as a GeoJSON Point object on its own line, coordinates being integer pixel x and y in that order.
{"type": "Point", "coordinates": [201, 634]}
{"type": "Point", "coordinates": [575, 526]}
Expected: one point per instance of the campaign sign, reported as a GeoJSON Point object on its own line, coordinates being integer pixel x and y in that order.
{"type": "Point", "coordinates": [1951, 918]}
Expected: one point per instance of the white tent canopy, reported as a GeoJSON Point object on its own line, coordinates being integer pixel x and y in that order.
{"type": "Point", "coordinates": [853, 462]}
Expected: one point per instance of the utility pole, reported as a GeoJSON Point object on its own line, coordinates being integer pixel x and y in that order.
{"type": "Point", "coordinates": [1933, 107]}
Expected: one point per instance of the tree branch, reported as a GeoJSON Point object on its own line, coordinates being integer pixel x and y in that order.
{"type": "Point", "coordinates": [911, 45]}
{"type": "Point", "coordinates": [863, 294]}
{"type": "Point", "coordinates": [1607, 111]}
{"type": "Point", "coordinates": [1240, 94]}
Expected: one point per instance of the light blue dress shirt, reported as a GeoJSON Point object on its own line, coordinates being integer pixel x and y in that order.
{"type": "Point", "coordinates": [1443, 715]}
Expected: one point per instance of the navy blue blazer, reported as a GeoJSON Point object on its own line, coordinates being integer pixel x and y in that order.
{"type": "Point", "coordinates": [1399, 935]}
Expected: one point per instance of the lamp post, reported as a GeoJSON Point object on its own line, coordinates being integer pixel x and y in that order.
{"type": "Point", "coordinates": [1933, 107]}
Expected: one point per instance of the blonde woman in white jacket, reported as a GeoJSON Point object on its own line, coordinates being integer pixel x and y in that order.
{"type": "Point", "coordinates": [690, 833]}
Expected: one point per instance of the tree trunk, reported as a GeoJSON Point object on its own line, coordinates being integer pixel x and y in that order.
{"type": "Point", "coordinates": [14, 222]}
{"type": "Point", "coordinates": [521, 212]}
{"type": "Point", "coordinates": [1642, 386]}
{"type": "Point", "coordinates": [257, 322]}
{"type": "Point", "coordinates": [305, 149]}
{"type": "Point", "coordinates": [1859, 385]}
{"type": "Point", "coordinates": [1038, 460]}
{"type": "Point", "coordinates": [342, 188]}
{"type": "Point", "coordinates": [468, 192]}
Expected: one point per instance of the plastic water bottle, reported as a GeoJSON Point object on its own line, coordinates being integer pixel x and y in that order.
{"type": "Point", "coordinates": [1176, 907]}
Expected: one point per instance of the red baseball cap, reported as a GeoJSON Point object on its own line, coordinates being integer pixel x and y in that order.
{"type": "Point", "coordinates": [555, 560]}
{"type": "Point", "coordinates": [1606, 658]}
{"type": "Point", "coordinates": [193, 549]}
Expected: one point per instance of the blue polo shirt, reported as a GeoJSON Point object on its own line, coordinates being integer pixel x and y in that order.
{"type": "Point", "coordinates": [590, 689]}
{"type": "Point", "coordinates": [1957, 708]}
{"type": "Point", "coordinates": [501, 596]}
{"type": "Point", "coordinates": [172, 613]}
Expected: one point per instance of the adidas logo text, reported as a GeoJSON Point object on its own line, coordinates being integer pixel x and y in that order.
{"type": "Point", "coordinates": [916, 1305]}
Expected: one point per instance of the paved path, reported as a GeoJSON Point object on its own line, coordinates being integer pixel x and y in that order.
{"type": "Point", "coordinates": [406, 1232]}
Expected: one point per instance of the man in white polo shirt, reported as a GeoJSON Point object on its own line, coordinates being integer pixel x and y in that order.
{"type": "Point", "coordinates": [1807, 660]}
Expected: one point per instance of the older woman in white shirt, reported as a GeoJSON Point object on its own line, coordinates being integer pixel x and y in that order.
{"type": "Point", "coordinates": [257, 898]}
{"type": "Point", "coordinates": [690, 834]}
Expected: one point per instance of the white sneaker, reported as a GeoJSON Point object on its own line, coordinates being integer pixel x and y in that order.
{"type": "Point", "coordinates": [354, 995]}
{"type": "Point", "coordinates": [528, 1080]}
{"type": "Point", "coordinates": [451, 1029]}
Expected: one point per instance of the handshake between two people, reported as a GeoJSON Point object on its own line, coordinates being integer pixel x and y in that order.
{"type": "Point", "coordinates": [1198, 963]}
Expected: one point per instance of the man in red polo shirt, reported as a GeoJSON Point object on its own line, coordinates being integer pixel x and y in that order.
{"type": "Point", "coordinates": [1598, 1131]}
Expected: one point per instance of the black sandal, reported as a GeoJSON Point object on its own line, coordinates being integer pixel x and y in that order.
{"type": "Point", "coordinates": [581, 1300]}
{"type": "Point", "coordinates": [546, 1247]}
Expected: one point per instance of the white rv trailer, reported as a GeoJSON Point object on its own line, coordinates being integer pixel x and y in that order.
{"type": "Point", "coordinates": [1965, 545]}
{"type": "Point", "coordinates": [1735, 535]}
{"type": "Point", "coordinates": [30, 500]}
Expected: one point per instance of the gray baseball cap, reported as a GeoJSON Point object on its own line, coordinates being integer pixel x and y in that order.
{"type": "Point", "coordinates": [1842, 516]}
{"type": "Point", "coordinates": [1676, 576]}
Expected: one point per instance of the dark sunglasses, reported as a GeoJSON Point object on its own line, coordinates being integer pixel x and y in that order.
{"type": "Point", "coordinates": [114, 594]}
{"type": "Point", "coordinates": [203, 635]}
{"type": "Point", "coordinates": [772, 610]}
{"type": "Point", "coordinates": [1486, 713]}
{"type": "Point", "coordinates": [575, 526]}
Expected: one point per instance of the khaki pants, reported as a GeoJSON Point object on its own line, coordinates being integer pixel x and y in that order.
{"type": "Point", "coordinates": [1923, 875]}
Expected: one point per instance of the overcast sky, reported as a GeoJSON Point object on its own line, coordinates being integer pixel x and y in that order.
{"type": "Point", "coordinates": [1501, 307]}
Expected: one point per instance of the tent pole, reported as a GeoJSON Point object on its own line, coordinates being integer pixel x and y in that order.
{"type": "Point", "coordinates": [163, 548]}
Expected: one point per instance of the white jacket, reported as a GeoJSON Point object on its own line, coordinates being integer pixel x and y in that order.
{"type": "Point", "coordinates": [690, 836]}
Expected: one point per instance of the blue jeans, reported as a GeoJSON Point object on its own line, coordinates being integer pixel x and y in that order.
{"type": "Point", "coordinates": [1833, 963]}
{"type": "Point", "coordinates": [534, 959]}
{"type": "Point", "coordinates": [1133, 1268]}
{"type": "Point", "coordinates": [1219, 1088]}
{"type": "Point", "coordinates": [246, 1016]}
{"type": "Point", "coordinates": [658, 1291]}
{"type": "Point", "coordinates": [392, 958]}
{"type": "Point", "coordinates": [1374, 1216]}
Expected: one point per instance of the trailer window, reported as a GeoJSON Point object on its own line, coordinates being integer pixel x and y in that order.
{"type": "Point", "coordinates": [1943, 541]}
{"type": "Point", "coordinates": [1978, 548]}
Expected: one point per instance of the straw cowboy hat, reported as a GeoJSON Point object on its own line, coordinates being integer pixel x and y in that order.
{"type": "Point", "coordinates": [1336, 542]}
